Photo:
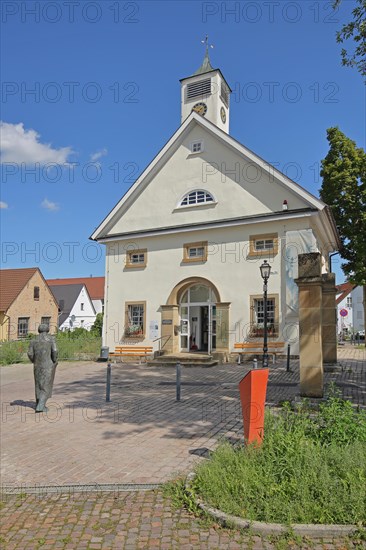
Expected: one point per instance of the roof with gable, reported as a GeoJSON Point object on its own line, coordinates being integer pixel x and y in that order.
{"type": "Point", "coordinates": [94, 285]}
{"type": "Point", "coordinates": [66, 296]}
{"type": "Point", "coordinates": [343, 290]}
{"type": "Point", "coordinates": [12, 282]}
{"type": "Point", "coordinates": [167, 152]}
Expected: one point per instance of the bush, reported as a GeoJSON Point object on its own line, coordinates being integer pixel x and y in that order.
{"type": "Point", "coordinates": [311, 468]}
{"type": "Point", "coordinates": [12, 352]}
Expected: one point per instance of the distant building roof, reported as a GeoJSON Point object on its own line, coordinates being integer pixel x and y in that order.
{"type": "Point", "coordinates": [12, 282]}
{"type": "Point", "coordinates": [343, 290]}
{"type": "Point", "coordinates": [66, 296]}
{"type": "Point", "coordinates": [95, 285]}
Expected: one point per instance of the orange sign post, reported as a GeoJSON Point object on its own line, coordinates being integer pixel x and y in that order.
{"type": "Point", "coordinates": [253, 389]}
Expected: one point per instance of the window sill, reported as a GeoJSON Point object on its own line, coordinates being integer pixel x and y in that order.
{"type": "Point", "coordinates": [260, 253]}
{"type": "Point", "coordinates": [194, 260]}
{"type": "Point", "coordinates": [201, 205]}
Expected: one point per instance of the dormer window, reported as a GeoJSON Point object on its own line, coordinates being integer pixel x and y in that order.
{"type": "Point", "coordinates": [198, 196]}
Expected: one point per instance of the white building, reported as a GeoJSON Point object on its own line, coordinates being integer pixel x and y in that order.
{"type": "Point", "coordinates": [350, 308]}
{"type": "Point", "coordinates": [76, 308]}
{"type": "Point", "coordinates": [184, 244]}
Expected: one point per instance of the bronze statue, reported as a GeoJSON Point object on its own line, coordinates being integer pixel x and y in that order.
{"type": "Point", "coordinates": [43, 354]}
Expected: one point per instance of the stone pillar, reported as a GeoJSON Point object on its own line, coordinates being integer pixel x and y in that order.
{"type": "Point", "coordinates": [169, 328]}
{"type": "Point", "coordinates": [310, 324]}
{"type": "Point", "coordinates": [329, 319]}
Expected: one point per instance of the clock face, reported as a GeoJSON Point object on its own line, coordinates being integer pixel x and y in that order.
{"type": "Point", "coordinates": [200, 108]}
{"type": "Point", "coordinates": [223, 114]}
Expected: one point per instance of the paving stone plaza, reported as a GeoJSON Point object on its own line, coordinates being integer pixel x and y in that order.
{"type": "Point", "coordinates": [101, 453]}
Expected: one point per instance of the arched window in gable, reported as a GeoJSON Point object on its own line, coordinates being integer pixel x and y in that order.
{"type": "Point", "coordinates": [198, 196]}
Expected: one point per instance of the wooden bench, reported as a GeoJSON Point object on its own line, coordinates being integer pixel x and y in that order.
{"type": "Point", "coordinates": [256, 348]}
{"type": "Point", "coordinates": [131, 351]}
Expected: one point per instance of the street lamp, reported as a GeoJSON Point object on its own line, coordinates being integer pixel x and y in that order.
{"type": "Point", "coordinates": [265, 273]}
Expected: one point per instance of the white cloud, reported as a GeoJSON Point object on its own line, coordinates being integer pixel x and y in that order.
{"type": "Point", "coordinates": [96, 156]}
{"type": "Point", "coordinates": [49, 205]}
{"type": "Point", "coordinates": [3, 205]}
{"type": "Point", "coordinates": [20, 145]}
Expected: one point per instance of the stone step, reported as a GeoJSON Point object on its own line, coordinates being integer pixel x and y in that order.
{"type": "Point", "coordinates": [187, 360]}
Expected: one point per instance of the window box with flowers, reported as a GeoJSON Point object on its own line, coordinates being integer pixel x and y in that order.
{"type": "Point", "coordinates": [257, 331]}
{"type": "Point", "coordinates": [135, 313]}
{"type": "Point", "coordinates": [134, 331]}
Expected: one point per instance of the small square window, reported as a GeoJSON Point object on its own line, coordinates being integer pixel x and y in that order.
{"type": "Point", "coordinates": [263, 245]}
{"type": "Point", "coordinates": [195, 252]}
{"type": "Point", "coordinates": [197, 146]}
{"type": "Point", "coordinates": [136, 258]}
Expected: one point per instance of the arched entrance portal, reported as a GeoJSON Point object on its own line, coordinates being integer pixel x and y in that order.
{"type": "Point", "coordinates": [194, 318]}
{"type": "Point", "coordinates": [197, 313]}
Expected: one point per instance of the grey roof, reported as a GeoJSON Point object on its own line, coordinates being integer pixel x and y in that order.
{"type": "Point", "coordinates": [66, 296]}
{"type": "Point", "coordinates": [206, 66]}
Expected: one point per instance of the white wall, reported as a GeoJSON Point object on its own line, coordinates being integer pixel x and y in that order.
{"type": "Point", "coordinates": [234, 274]}
{"type": "Point", "coordinates": [240, 188]}
{"type": "Point", "coordinates": [84, 313]}
{"type": "Point", "coordinates": [357, 309]}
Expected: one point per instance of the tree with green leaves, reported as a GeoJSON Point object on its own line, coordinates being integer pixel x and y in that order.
{"type": "Point", "coordinates": [97, 327]}
{"type": "Point", "coordinates": [344, 190]}
{"type": "Point", "coordinates": [356, 30]}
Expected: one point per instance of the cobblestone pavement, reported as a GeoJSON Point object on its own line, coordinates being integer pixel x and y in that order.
{"type": "Point", "coordinates": [142, 436]}
{"type": "Point", "coordinates": [130, 521]}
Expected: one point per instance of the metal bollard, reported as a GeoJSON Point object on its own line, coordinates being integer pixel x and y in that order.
{"type": "Point", "coordinates": [179, 373]}
{"type": "Point", "coordinates": [108, 388]}
{"type": "Point", "coordinates": [288, 359]}
{"type": "Point", "coordinates": [255, 363]}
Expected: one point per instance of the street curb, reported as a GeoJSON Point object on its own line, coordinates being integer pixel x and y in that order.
{"type": "Point", "coordinates": [303, 529]}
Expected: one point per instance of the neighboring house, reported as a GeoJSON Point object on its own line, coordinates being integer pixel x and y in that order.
{"type": "Point", "coordinates": [350, 308]}
{"type": "Point", "coordinates": [25, 302]}
{"type": "Point", "coordinates": [184, 244]}
{"type": "Point", "coordinates": [95, 286]}
{"type": "Point", "coordinates": [76, 308]}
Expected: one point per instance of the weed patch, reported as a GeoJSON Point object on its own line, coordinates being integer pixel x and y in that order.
{"type": "Point", "coordinates": [311, 468]}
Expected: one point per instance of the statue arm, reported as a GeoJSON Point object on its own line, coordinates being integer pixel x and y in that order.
{"type": "Point", "coordinates": [54, 352]}
{"type": "Point", "coordinates": [31, 352]}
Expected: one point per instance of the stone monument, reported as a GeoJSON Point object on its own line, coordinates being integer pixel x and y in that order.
{"type": "Point", "coordinates": [43, 354]}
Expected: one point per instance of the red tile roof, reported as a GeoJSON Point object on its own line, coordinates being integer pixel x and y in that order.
{"type": "Point", "coordinates": [343, 290]}
{"type": "Point", "coordinates": [12, 282]}
{"type": "Point", "coordinates": [95, 285]}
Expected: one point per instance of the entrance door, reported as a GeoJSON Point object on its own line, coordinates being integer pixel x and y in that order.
{"type": "Point", "coordinates": [198, 319]}
{"type": "Point", "coordinates": [184, 328]}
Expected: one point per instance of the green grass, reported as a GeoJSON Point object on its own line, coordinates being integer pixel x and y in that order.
{"type": "Point", "coordinates": [75, 349]}
{"type": "Point", "coordinates": [69, 349]}
{"type": "Point", "coordinates": [311, 468]}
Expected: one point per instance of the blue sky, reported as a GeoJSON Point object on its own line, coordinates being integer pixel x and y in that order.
{"type": "Point", "coordinates": [106, 97]}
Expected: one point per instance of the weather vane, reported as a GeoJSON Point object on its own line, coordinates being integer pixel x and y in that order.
{"type": "Point", "coordinates": [205, 41]}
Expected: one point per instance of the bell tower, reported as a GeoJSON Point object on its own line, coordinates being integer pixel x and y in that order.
{"type": "Point", "coordinates": [207, 93]}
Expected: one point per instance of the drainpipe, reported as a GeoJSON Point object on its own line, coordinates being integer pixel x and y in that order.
{"type": "Point", "coordinates": [330, 260]}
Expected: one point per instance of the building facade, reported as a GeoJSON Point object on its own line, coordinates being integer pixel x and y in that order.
{"type": "Point", "coordinates": [76, 308]}
{"type": "Point", "coordinates": [25, 302]}
{"type": "Point", "coordinates": [184, 244]}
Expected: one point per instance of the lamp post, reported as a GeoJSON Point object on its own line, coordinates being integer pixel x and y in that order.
{"type": "Point", "coordinates": [265, 269]}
